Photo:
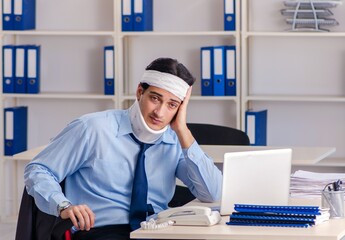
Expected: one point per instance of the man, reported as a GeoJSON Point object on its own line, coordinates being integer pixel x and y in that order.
{"type": "Point", "coordinates": [97, 156]}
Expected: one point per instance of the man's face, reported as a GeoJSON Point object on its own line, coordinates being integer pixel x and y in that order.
{"type": "Point", "coordinates": [157, 106]}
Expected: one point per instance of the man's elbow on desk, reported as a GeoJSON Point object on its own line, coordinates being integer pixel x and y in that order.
{"type": "Point", "coordinates": [208, 196]}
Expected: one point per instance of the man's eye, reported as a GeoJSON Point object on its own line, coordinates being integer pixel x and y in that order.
{"type": "Point", "coordinates": [173, 105]}
{"type": "Point", "coordinates": [154, 98]}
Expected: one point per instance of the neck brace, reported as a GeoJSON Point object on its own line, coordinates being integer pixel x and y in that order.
{"type": "Point", "coordinates": [140, 129]}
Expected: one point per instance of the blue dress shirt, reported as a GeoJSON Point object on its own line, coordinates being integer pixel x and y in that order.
{"type": "Point", "coordinates": [97, 157]}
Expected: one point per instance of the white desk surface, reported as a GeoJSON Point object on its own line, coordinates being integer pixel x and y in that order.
{"type": "Point", "coordinates": [300, 155]}
{"type": "Point", "coordinates": [333, 229]}
{"type": "Point", "coordinates": [29, 154]}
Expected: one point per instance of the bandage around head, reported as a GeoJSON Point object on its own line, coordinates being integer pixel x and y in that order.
{"type": "Point", "coordinates": [166, 81]}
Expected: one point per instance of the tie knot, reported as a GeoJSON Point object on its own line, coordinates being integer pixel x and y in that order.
{"type": "Point", "coordinates": [143, 146]}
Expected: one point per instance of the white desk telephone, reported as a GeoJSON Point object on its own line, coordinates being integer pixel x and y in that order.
{"type": "Point", "coordinates": [190, 215]}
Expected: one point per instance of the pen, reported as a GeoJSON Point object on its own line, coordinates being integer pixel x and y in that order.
{"type": "Point", "coordinates": [337, 185]}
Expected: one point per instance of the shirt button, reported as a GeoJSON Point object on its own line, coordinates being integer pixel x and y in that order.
{"type": "Point", "coordinates": [191, 155]}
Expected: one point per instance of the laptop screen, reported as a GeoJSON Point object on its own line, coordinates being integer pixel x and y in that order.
{"type": "Point", "coordinates": [255, 177]}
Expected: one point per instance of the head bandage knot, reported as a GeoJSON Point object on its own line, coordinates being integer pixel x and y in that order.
{"type": "Point", "coordinates": [166, 81]}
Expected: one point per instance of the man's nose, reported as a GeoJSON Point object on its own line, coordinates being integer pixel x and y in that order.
{"type": "Point", "coordinates": [159, 110]}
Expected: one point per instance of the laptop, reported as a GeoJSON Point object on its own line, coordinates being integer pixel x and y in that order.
{"type": "Point", "coordinates": [255, 177]}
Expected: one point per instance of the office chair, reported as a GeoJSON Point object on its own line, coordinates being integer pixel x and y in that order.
{"type": "Point", "coordinates": [33, 224]}
{"type": "Point", "coordinates": [208, 134]}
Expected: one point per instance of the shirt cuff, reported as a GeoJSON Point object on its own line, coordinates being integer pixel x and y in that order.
{"type": "Point", "coordinates": [55, 202]}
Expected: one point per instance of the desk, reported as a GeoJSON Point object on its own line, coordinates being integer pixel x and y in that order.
{"type": "Point", "coordinates": [29, 154]}
{"type": "Point", "coordinates": [300, 155]}
{"type": "Point", "coordinates": [333, 229]}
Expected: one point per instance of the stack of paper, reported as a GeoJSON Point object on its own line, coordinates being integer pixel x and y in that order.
{"type": "Point", "coordinates": [306, 184]}
{"type": "Point", "coordinates": [278, 216]}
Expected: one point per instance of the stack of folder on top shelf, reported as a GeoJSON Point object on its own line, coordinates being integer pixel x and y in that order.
{"type": "Point", "coordinates": [229, 15]}
{"type": "Point", "coordinates": [309, 15]}
{"type": "Point", "coordinates": [305, 184]}
{"type": "Point", "coordinates": [137, 15]}
{"type": "Point", "coordinates": [278, 216]}
{"type": "Point", "coordinates": [18, 14]}
{"type": "Point", "coordinates": [218, 71]}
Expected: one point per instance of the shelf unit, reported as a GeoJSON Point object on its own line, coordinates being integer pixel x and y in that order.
{"type": "Point", "coordinates": [71, 77]}
{"type": "Point", "coordinates": [182, 39]}
{"type": "Point", "coordinates": [305, 108]}
{"type": "Point", "coordinates": [72, 65]}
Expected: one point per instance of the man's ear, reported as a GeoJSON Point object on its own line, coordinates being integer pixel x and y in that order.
{"type": "Point", "coordinates": [139, 92]}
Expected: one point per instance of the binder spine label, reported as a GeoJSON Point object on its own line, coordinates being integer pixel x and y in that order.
{"type": "Point", "coordinates": [18, 7]}
{"type": "Point", "coordinates": [32, 63]}
{"type": "Point", "coordinates": [126, 7]}
{"type": "Point", "coordinates": [8, 63]}
{"type": "Point", "coordinates": [230, 57]}
{"type": "Point", "coordinates": [229, 7]}
{"type": "Point", "coordinates": [109, 64]}
{"type": "Point", "coordinates": [251, 128]}
{"type": "Point", "coordinates": [206, 68]}
{"type": "Point", "coordinates": [7, 7]}
{"type": "Point", "coordinates": [138, 6]}
{"type": "Point", "coordinates": [20, 62]}
{"type": "Point", "coordinates": [9, 125]}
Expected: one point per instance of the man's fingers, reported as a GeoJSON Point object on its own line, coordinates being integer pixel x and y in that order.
{"type": "Point", "coordinates": [81, 216]}
{"type": "Point", "coordinates": [78, 212]}
{"type": "Point", "coordinates": [92, 217]}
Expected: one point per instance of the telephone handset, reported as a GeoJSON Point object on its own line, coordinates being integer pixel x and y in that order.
{"type": "Point", "coordinates": [190, 215]}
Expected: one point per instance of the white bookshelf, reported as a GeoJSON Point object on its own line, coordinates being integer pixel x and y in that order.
{"type": "Point", "coordinates": [72, 39]}
{"type": "Point", "coordinates": [198, 23]}
{"type": "Point", "coordinates": [297, 76]}
{"type": "Point", "coordinates": [72, 35]}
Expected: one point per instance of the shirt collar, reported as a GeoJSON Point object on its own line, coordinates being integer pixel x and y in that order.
{"type": "Point", "coordinates": [126, 128]}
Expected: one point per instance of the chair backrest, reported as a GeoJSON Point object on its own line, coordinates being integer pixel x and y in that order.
{"type": "Point", "coordinates": [209, 134]}
{"type": "Point", "coordinates": [34, 224]}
